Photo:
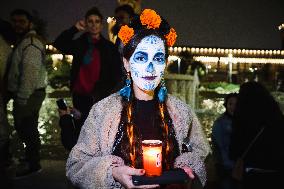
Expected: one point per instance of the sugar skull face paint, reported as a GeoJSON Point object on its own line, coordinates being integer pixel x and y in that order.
{"type": "Point", "coordinates": [147, 63]}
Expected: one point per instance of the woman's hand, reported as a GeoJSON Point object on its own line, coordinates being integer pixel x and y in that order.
{"type": "Point", "coordinates": [76, 113]}
{"type": "Point", "coordinates": [111, 22]}
{"type": "Point", "coordinates": [63, 112]}
{"type": "Point", "coordinates": [188, 171]}
{"type": "Point", "coordinates": [80, 25]}
{"type": "Point", "coordinates": [123, 174]}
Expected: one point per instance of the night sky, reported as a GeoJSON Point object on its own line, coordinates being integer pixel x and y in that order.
{"type": "Point", "coordinates": [202, 23]}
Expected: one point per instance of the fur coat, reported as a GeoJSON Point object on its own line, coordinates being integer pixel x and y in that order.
{"type": "Point", "coordinates": [91, 161]}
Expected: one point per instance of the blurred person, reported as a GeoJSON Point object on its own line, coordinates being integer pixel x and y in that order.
{"type": "Point", "coordinates": [109, 150]}
{"type": "Point", "coordinates": [96, 66]}
{"type": "Point", "coordinates": [258, 126]}
{"type": "Point", "coordinates": [135, 4]}
{"type": "Point", "coordinates": [26, 86]}
{"type": "Point", "coordinates": [221, 135]}
{"type": "Point", "coordinates": [123, 15]}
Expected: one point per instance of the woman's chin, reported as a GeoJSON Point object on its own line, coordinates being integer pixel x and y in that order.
{"type": "Point", "coordinates": [149, 92]}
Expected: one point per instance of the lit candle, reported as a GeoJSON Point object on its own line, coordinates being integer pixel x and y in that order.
{"type": "Point", "coordinates": [152, 157]}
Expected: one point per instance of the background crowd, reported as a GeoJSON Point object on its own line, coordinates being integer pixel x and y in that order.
{"type": "Point", "coordinates": [250, 129]}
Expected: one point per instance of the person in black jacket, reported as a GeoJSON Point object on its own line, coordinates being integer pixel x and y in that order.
{"type": "Point", "coordinates": [258, 127]}
{"type": "Point", "coordinates": [96, 67]}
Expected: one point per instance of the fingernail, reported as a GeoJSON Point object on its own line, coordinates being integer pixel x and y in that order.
{"type": "Point", "coordinates": [142, 171]}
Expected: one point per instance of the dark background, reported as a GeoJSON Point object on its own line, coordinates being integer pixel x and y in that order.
{"type": "Point", "coordinates": [205, 23]}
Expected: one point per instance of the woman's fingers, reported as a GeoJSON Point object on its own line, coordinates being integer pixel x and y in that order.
{"type": "Point", "coordinates": [133, 171]}
{"type": "Point", "coordinates": [189, 172]}
{"type": "Point", "coordinates": [124, 174]}
{"type": "Point", "coordinates": [62, 112]}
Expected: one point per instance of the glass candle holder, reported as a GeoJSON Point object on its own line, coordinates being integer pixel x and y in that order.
{"type": "Point", "coordinates": [152, 157]}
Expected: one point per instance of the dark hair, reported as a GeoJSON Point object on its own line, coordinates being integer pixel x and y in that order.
{"type": "Point", "coordinates": [22, 12]}
{"type": "Point", "coordinates": [126, 8]}
{"type": "Point", "coordinates": [256, 106]}
{"type": "Point", "coordinates": [228, 96]}
{"type": "Point", "coordinates": [140, 32]}
{"type": "Point", "coordinates": [93, 11]}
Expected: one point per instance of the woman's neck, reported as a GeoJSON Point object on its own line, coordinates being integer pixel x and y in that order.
{"type": "Point", "coordinates": [142, 94]}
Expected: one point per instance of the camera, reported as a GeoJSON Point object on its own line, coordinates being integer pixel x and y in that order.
{"type": "Point", "coordinates": [61, 103]}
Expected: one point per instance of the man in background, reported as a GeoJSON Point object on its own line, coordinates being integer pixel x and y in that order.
{"type": "Point", "coordinates": [26, 86]}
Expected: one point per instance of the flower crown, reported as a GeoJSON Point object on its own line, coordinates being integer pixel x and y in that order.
{"type": "Point", "coordinates": [151, 20]}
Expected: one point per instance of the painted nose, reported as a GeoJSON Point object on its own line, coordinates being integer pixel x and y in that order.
{"type": "Point", "coordinates": [150, 68]}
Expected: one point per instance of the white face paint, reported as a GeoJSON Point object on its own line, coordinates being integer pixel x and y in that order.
{"type": "Point", "coordinates": [147, 63]}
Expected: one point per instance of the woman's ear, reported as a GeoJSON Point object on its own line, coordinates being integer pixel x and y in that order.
{"type": "Point", "coordinates": [126, 64]}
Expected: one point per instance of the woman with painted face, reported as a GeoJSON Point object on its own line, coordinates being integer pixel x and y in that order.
{"type": "Point", "coordinates": [109, 149]}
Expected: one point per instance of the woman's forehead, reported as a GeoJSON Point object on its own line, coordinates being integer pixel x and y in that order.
{"type": "Point", "coordinates": [151, 42]}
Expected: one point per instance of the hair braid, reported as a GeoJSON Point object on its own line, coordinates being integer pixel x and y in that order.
{"type": "Point", "coordinates": [170, 146]}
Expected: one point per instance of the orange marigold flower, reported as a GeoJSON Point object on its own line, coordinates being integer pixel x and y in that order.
{"type": "Point", "coordinates": [171, 37]}
{"type": "Point", "coordinates": [125, 33]}
{"type": "Point", "coordinates": [150, 18]}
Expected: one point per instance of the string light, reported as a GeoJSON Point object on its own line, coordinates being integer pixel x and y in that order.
{"type": "Point", "coordinates": [281, 27]}
{"type": "Point", "coordinates": [224, 52]}
{"type": "Point", "coordinates": [210, 59]}
{"type": "Point", "coordinates": [56, 57]}
{"type": "Point", "coordinates": [273, 56]}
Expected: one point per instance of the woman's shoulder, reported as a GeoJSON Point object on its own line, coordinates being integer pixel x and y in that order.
{"type": "Point", "coordinates": [178, 104]}
{"type": "Point", "coordinates": [109, 102]}
{"type": "Point", "coordinates": [179, 110]}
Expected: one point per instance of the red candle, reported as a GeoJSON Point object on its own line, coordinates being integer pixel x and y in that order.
{"type": "Point", "coordinates": [152, 157]}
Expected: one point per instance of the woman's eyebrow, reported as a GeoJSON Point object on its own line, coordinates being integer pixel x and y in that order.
{"type": "Point", "coordinates": [160, 49]}
{"type": "Point", "coordinates": [159, 54]}
{"type": "Point", "coordinates": [141, 52]}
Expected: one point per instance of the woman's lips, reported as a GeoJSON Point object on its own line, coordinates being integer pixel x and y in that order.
{"type": "Point", "coordinates": [149, 77]}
